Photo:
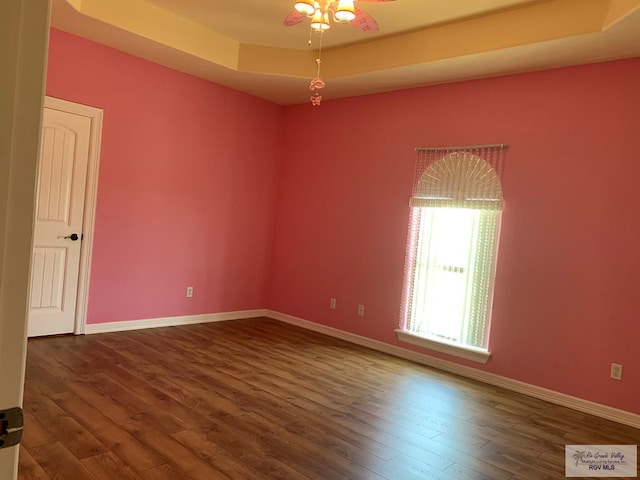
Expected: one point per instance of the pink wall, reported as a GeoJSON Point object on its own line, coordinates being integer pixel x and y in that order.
{"type": "Point", "coordinates": [567, 279]}
{"type": "Point", "coordinates": [186, 185]}
{"type": "Point", "coordinates": [187, 191]}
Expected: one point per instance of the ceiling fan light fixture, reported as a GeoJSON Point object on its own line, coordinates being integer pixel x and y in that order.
{"type": "Point", "coordinates": [305, 7]}
{"type": "Point", "coordinates": [345, 11]}
{"type": "Point", "coordinates": [320, 21]}
{"type": "Point", "coordinates": [322, 13]}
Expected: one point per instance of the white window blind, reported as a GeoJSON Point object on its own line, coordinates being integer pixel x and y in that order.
{"type": "Point", "coordinates": [456, 204]}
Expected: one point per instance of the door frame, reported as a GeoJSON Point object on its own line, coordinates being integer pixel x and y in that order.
{"type": "Point", "coordinates": [90, 199]}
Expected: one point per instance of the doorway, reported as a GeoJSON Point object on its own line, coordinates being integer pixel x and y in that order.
{"type": "Point", "coordinates": [65, 212]}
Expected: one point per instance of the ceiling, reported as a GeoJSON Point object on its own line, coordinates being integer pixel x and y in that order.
{"type": "Point", "coordinates": [244, 44]}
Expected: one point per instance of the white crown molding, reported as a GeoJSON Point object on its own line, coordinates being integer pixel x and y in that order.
{"type": "Point", "coordinates": [93, 328]}
{"type": "Point", "coordinates": [585, 406]}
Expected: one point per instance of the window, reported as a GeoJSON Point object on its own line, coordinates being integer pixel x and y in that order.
{"type": "Point", "coordinates": [456, 206]}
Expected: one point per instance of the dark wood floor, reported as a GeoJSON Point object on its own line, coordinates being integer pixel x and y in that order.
{"type": "Point", "coordinates": [258, 399]}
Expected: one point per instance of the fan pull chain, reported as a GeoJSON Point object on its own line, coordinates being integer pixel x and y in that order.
{"type": "Point", "coordinates": [317, 83]}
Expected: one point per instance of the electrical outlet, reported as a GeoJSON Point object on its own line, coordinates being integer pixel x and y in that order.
{"type": "Point", "coordinates": [189, 292]}
{"type": "Point", "coordinates": [332, 304]}
{"type": "Point", "coordinates": [616, 371]}
{"type": "Point", "coordinates": [361, 310]}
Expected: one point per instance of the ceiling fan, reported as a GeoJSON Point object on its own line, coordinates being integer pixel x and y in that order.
{"type": "Point", "coordinates": [321, 12]}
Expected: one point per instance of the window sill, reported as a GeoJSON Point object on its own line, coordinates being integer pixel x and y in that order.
{"type": "Point", "coordinates": [469, 353]}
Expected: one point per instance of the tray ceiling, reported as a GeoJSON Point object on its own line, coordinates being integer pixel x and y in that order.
{"type": "Point", "coordinates": [244, 44]}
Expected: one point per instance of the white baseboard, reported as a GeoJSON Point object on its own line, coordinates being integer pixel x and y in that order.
{"type": "Point", "coordinates": [171, 321]}
{"type": "Point", "coordinates": [592, 408]}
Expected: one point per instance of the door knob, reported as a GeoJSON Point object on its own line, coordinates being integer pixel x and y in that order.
{"type": "Point", "coordinates": [73, 237]}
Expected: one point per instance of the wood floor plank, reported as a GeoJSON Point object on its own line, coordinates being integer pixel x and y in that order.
{"type": "Point", "coordinates": [345, 441]}
{"type": "Point", "coordinates": [165, 471]}
{"type": "Point", "coordinates": [256, 448]}
{"type": "Point", "coordinates": [174, 452]}
{"type": "Point", "coordinates": [59, 463]}
{"type": "Point", "coordinates": [78, 440]}
{"type": "Point", "coordinates": [259, 399]}
{"type": "Point", "coordinates": [29, 468]}
{"type": "Point", "coordinates": [460, 471]}
{"type": "Point", "coordinates": [35, 433]}
{"type": "Point", "coordinates": [123, 445]}
{"type": "Point", "coordinates": [318, 460]}
{"type": "Point", "coordinates": [237, 456]}
{"type": "Point", "coordinates": [107, 466]}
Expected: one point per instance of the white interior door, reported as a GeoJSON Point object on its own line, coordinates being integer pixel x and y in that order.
{"type": "Point", "coordinates": [55, 267]}
{"type": "Point", "coordinates": [24, 30]}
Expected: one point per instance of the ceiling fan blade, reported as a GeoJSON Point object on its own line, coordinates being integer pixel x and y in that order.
{"type": "Point", "coordinates": [364, 22]}
{"type": "Point", "coordinates": [293, 18]}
